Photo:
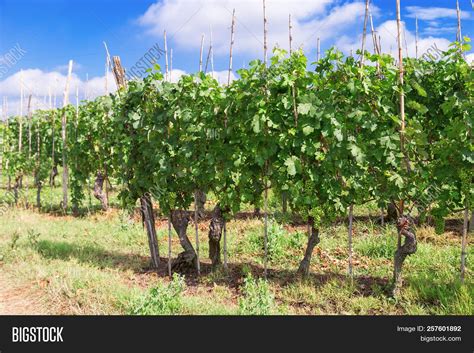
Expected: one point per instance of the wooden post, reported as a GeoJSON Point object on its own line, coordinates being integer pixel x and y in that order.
{"type": "Point", "coordinates": [265, 46]}
{"type": "Point", "coordinates": [148, 218]}
{"type": "Point", "coordinates": [169, 245]}
{"type": "Point", "coordinates": [416, 37]}
{"type": "Point", "coordinates": [9, 146]}
{"type": "Point", "coordinates": [405, 40]}
{"type": "Point", "coordinates": [20, 136]}
{"type": "Point", "coordinates": [210, 57]}
{"type": "Point", "coordinates": [458, 33]}
{"type": "Point", "coordinates": [119, 72]}
{"type": "Point", "coordinates": [351, 217]}
{"type": "Point", "coordinates": [64, 138]}
{"type": "Point", "coordinates": [225, 244]}
{"type": "Point", "coordinates": [38, 166]}
{"type": "Point", "coordinates": [197, 230]}
{"type": "Point", "coordinates": [3, 139]}
{"type": "Point", "coordinates": [108, 63]}
{"type": "Point", "coordinates": [464, 242]}
{"type": "Point", "coordinates": [374, 34]}
{"type": "Point", "coordinates": [86, 87]}
{"type": "Point", "coordinates": [52, 143]}
{"type": "Point", "coordinates": [402, 104]}
{"type": "Point", "coordinates": [265, 228]}
{"type": "Point", "coordinates": [232, 32]}
{"type": "Point", "coordinates": [29, 125]}
{"type": "Point", "coordinates": [20, 127]}
{"type": "Point", "coordinates": [364, 34]}
{"type": "Point", "coordinates": [290, 38]}
{"type": "Point", "coordinates": [319, 49]}
{"type": "Point", "coordinates": [471, 222]}
{"type": "Point", "coordinates": [106, 76]}
{"type": "Point", "coordinates": [401, 80]}
{"type": "Point", "coordinates": [374, 40]}
{"type": "Point", "coordinates": [76, 122]}
{"type": "Point", "coordinates": [265, 196]}
{"type": "Point", "coordinates": [293, 93]}
{"type": "Point", "coordinates": [200, 53]}
{"type": "Point", "coordinates": [212, 53]}
{"type": "Point", "coordinates": [231, 48]}
{"type": "Point", "coordinates": [166, 56]}
{"type": "Point", "coordinates": [171, 65]}
{"type": "Point", "coordinates": [466, 222]}
{"type": "Point", "coordinates": [5, 110]}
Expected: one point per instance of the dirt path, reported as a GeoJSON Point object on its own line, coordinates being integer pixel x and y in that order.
{"type": "Point", "coordinates": [19, 300]}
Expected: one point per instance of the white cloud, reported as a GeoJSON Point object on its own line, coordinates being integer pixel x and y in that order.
{"type": "Point", "coordinates": [186, 20]}
{"type": "Point", "coordinates": [388, 34]}
{"type": "Point", "coordinates": [433, 13]}
{"type": "Point", "coordinates": [39, 83]}
{"type": "Point", "coordinates": [451, 30]}
{"type": "Point", "coordinates": [222, 76]}
{"type": "Point", "coordinates": [176, 74]}
{"type": "Point", "coordinates": [470, 58]}
{"type": "Point", "coordinates": [64, 68]}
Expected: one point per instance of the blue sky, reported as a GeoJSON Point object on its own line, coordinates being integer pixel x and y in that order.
{"type": "Point", "coordinates": [53, 31]}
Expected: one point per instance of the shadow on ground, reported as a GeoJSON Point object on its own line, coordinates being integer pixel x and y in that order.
{"type": "Point", "coordinates": [92, 255]}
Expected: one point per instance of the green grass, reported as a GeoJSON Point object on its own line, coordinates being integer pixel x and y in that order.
{"type": "Point", "coordinates": [257, 298]}
{"type": "Point", "coordinates": [51, 197]}
{"type": "Point", "coordinates": [97, 264]}
{"type": "Point", "coordinates": [163, 299]}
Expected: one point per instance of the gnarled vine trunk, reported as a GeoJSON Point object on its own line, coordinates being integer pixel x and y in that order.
{"type": "Point", "coordinates": [148, 218]}
{"type": "Point", "coordinates": [392, 213]}
{"type": "Point", "coordinates": [39, 186]}
{"type": "Point", "coordinates": [284, 202]}
{"type": "Point", "coordinates": [405, 227]}
{"type": "Point", "coordinates": [256, 212]}
{"type": "Point", "coordinates": [188, 258]}
{"type": "Point", "coordinates": [313, 240]}
{"type": "Point", "coordinates": [215, 233]}
{"type": "Point", "coordinates": [99, 193]}
{"type": "Point", "coordinates": [200, 203]}
{"type": "Point", "coordinates": [16, 186]}
{"type": "Point", "coordinates": [52, 176]}
{"type": "Point", "coordinates": [471, 222]}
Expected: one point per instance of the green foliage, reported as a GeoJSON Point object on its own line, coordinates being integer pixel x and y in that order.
{"type": "Point", "coordinates": [161, 300]}
{"type": "Point", "coordinates": [14, 240]}
{"type": "Point", "coordinates": [257, 297]}
{"type": "Point", "coordinates": [382, 246]}
{"type": "Point", "coordinates": [280, 242]}
{"type": "Point", "coordinates": [328, 137]}
{"type": "Point", "coordinates": [33, 237]}
{"type": "Point", "coordinates": [92, 133]}
{"type": "Point", "coordinates": [440, 225]}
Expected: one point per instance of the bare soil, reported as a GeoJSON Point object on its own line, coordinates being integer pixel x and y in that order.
{"type": "Point", "coordinates": [19, 300]}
